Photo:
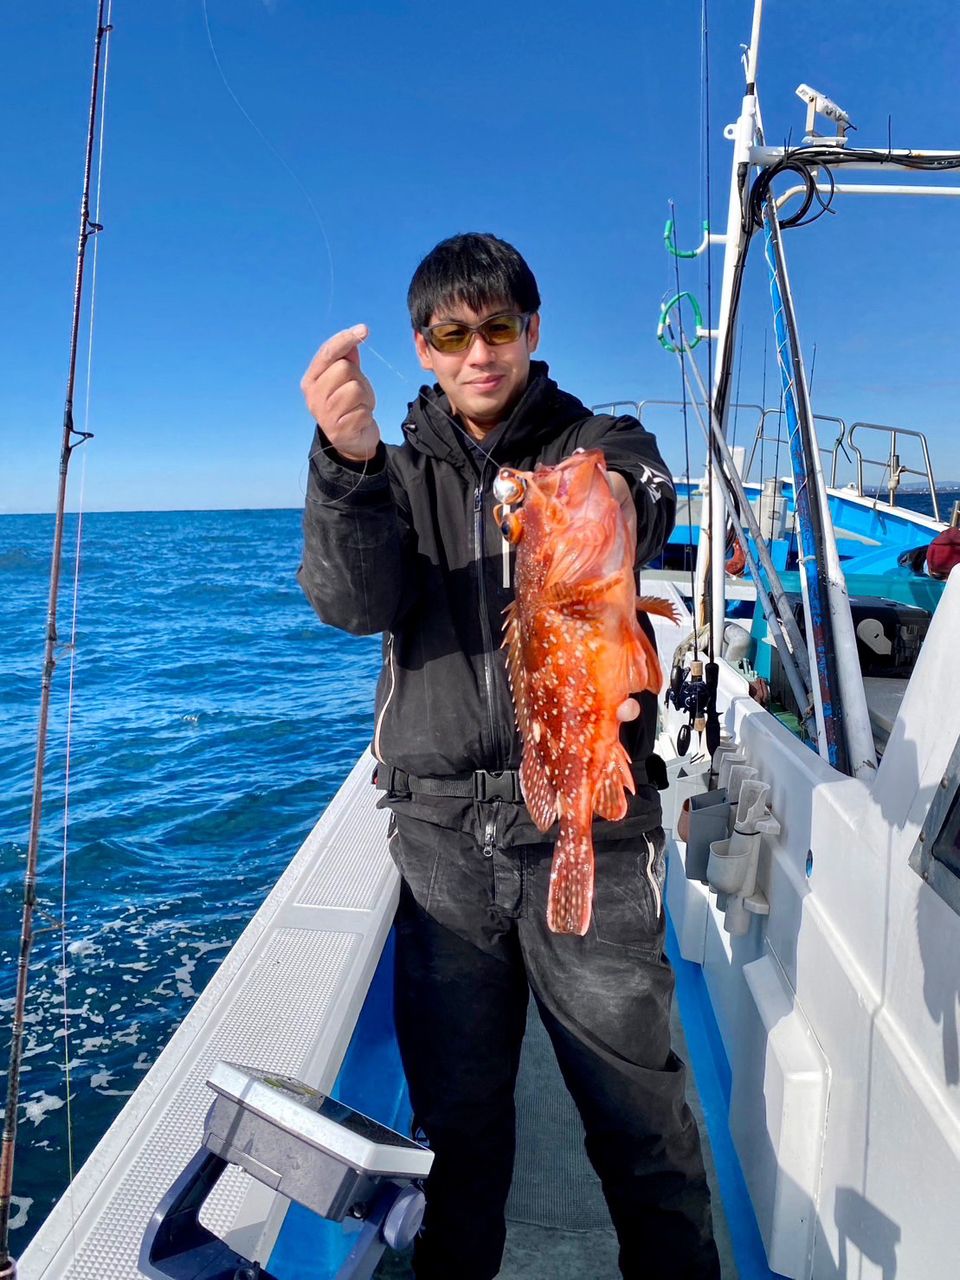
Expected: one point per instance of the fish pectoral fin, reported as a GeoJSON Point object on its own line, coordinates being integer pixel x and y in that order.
{"type": "Point", "coordinates": [538, 791]}
{"type": "Point", "coordinates": [640, 670]}
{"type": "Point", "coordinates": [609, 799]}
{"type": "Point", "coordinates": [562, 593]}
{"type": "Point", "coordinates": [657, 604]}
{"type": "Point", "coordinates": [574, 552]}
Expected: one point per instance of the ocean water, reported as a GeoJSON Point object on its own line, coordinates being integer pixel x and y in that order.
{"type": "Point", "coordinates": [214, 717]}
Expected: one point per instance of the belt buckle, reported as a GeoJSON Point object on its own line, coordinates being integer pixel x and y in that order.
{"type": "Point", "coordinates": [494, 786]}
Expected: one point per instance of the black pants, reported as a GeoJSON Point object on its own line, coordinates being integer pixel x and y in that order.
{"type": "Point", "coordinates": [472, 941]}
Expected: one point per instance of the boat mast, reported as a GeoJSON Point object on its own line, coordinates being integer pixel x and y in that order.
{"type": "Point", "coordinates": [71, 438]}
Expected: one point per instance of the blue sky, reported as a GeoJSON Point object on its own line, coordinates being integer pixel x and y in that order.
{"type": "Point", "coordinates": [565, 129]}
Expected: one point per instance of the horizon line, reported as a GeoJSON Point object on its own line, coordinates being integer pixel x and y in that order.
{"type": "Point", "coordinates": [147, 511]}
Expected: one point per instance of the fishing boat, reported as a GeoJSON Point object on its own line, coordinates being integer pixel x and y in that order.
{"type": "Point", "coordinates": [810, 735]}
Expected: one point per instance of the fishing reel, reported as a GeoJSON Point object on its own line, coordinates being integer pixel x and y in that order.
{"type": "Point", "coordinates": [694, 690]}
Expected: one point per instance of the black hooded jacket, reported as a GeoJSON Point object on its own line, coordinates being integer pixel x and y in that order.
{"type": "Point", "coordinates": [408, 546]}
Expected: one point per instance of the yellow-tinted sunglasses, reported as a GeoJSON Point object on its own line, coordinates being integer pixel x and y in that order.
{"type": "Point", "coordinates": [451, 335]}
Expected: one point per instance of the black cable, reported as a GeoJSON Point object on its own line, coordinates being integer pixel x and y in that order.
{"type": "Point", "coordinates": [802, 161]}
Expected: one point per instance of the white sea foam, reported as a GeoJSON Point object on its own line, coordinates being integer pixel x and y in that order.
{"type": "Point", "coordinates": [36, 1110]}
{"type": "Point", "coordinates": [22, 1204]}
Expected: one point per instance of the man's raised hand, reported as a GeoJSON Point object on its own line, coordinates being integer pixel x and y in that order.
{"type": "Point", "coordinates": [341, 398]}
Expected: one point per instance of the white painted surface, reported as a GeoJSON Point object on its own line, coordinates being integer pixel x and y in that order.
{"type": "Point", "coordinates": [869, 961]}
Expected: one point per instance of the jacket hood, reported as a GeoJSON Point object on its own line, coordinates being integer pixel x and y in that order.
{"type": "Point", "coordinates": [541, 413]}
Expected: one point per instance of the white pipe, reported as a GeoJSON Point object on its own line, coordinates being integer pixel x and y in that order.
{"type": "Point", "coordinates": [753, 53]}
{"type": "Point", "coordinates": [867, 189]}
{"type": "Point", "coordinates": [743, 134]}
{"type": "Point", "coordinates": [764, 157]}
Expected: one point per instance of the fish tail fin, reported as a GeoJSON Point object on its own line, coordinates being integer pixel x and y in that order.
{"type": "Point", "coordinates": [571, 881]}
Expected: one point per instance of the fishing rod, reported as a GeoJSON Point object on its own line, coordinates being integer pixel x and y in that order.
{"type": "Point", "coordinates": [780, 619]}
{"type": "Point", "coordinates": [72, 437]}
{"type": "Point", "coordinates": [845, 734]}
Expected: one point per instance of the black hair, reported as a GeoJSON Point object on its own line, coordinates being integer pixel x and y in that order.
{"type": "Point", "coordinates": [474, 269]}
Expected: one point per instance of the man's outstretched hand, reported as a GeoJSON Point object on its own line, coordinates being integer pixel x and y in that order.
{"type": "Point", "coordinates": [341, 398]}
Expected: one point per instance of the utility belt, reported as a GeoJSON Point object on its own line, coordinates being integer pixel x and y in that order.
{"type": "Point", "coordinates": [479, 785]}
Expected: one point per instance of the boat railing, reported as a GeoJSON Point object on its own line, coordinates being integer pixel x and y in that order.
{"type": "Point", "coordinates": [843, 448]}
{"type": "Point", "coordinates": [892, 468]}
{"type": "Point", "coordinates": [834, 452]}
{"type": "Point", "coordinates": [761, 435]}
{"type": "Point", "coordinates": [639, 407]}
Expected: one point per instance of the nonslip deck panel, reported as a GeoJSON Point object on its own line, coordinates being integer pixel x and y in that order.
{"type": "Point", "coordinates": [284, 998]}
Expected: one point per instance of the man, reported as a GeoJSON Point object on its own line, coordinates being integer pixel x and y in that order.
{"type": "Point", "coordinates": [402, 540]}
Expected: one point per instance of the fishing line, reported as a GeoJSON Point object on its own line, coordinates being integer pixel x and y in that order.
{"type": "Point", "coordinates": [332, 502]}
{"type": "Point", "coordinates": [64, 971]}
{"type": "Point", "coordinates": [736, 399]}
{"type": "Point", "coordinates": [681, 349]}
{"type": "Point", "coordinates": [763, 440]}
{"type": "Point", "coordinates": [471, 442]}
{"type": "Point", "coordinates": [72, 648]}
{"type": "Point", "coordinates": [275, 153]}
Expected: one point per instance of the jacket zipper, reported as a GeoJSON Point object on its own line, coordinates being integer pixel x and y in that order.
{"type": "Point", "coordinates": [490, 833]}
{"type": "Point", "coordinates": [386, 701]}
{"type": "Point", "coordinates": [488, 676]}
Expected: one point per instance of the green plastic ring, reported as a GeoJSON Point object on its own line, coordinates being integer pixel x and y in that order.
{"type": "Point", "coordinates": [666, 308]}
{"type": "Point", "coordinates": [670, 243]}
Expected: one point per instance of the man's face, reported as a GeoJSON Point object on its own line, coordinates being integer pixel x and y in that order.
{"type": "Point", "coordinates": [484, 382]}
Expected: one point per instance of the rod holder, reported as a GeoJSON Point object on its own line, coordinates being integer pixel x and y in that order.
{"type": "Point", "coordinates": [739, 774]}
{"type": "Point", "coordinates": [707, 822]}
{"type": "Point", "coordinates": [726, 747]}
{"type": "Point", "coordinates": [733, 863]}
{"type": "Point", "coordinates": [687, 779]}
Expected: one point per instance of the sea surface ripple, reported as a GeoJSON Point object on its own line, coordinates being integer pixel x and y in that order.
{"type": "Point", "coordinates": [214, 717]}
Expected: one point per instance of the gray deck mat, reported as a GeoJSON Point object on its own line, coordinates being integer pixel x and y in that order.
{"type": "Point", "coordinates": [554, 1184]}
{"type": "Point", "coordinates": [557, 1222]}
